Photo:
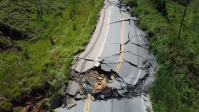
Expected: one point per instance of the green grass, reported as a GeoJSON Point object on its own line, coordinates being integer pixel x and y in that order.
{"type": "Point", "coordinates": [175, 89]}
{"type": "Point", "coordinates": [46, 57]}
{"type": "Point", "coordinates": [5, 105]}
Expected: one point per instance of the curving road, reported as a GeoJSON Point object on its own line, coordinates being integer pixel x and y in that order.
{"type": "Point", "coordinates": [116, 45]}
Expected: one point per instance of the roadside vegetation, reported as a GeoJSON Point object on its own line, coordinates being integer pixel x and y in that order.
{"type": "Point", "coordinates": [176, 88]}
{"type": "Point", "coordinates": [38, 40]}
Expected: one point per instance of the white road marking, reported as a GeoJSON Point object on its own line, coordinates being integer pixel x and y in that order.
{"type": "Point", "coordinates": [96, 59]}
{"type": "Point", "coordinates": [138, 35]}
{"type": "Point", "coordinates": [138, 76]}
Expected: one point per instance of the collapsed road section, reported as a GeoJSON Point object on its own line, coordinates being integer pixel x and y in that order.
{"type": "Point", "coordinates": [116, 63]}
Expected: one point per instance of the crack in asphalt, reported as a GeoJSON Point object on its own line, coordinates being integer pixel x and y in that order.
{"type": "Point", "coordinates": [145, 46]}
{"type": "Point", "coordinates": [121, 21]}
{"type": "Point", "coordinates": [125, 51]}
{"type": "Point", "coordinates": [97, 36]}
{"type": "Point", "coordinates": [107, 62]}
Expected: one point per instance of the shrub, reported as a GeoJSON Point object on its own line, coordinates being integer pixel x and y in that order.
{"type": "Point", "coordinates": [5, 106]}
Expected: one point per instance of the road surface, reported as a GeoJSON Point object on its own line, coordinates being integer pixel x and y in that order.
{"type": "Point", "coordinates": [116, 45]}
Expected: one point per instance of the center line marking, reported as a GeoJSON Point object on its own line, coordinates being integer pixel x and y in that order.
{"type": "Point", "coordinates": [89, 102]}
{"type": "Point", "coordinates": [122, 46]}
{"type": "Point", "coordinates": [86, 105]}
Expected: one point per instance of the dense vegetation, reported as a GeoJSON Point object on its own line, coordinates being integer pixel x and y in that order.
{"type": "Point", "coordinates": [38, 40]}
{"type": "Point", "coordinates": [176, 88]}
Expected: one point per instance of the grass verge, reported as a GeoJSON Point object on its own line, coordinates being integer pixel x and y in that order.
{"type": "Point", "coordinates": [43, 63]}
{"type": "Point", "coordinates": [175, 89]}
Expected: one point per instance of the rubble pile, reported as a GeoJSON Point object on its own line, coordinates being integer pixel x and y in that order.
{"type": "Point", "coordinates": [73, 91]}
{"type": "Point", "coordinates": [96, 80]}
{"type": "Point", "coordinates": [99, 85]}
{"type": "Point", "coordinates": [80, 85]}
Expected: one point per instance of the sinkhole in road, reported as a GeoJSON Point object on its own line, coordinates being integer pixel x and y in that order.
{"type": "Point", "coordinates": [101, 85]}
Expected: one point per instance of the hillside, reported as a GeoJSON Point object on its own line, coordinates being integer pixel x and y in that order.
{"type": "Point", "coordinates": [176, 88]}
{"type": "Point", "coordinates": [38, 40]}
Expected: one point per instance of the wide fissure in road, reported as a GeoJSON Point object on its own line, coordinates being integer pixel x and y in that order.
{"type": "Point", "coordinates": [114, 71]}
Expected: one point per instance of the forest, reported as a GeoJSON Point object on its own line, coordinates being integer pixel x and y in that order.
{"type": "Point", "coordinates": [176, 87]}
{"type": "Point", "coordinates": [38, 40]}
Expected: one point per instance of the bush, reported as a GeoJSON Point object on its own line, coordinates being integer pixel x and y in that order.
{"type": "Point", "coordinates": [132, 3]}
{"type": "Point", "coordinates": [160, 5]}
{"type": "Point", "coordinates": [188, 96]}
{"type": "Point", "coordinates": [5, 106]}
{"type": "Point", "coordinates": [177, 76]}
{"type": "Point", "coordinates": [17, 109]}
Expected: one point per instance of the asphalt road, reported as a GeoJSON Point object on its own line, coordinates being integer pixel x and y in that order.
{"type": "Point", "coordinates": [116, 45]}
